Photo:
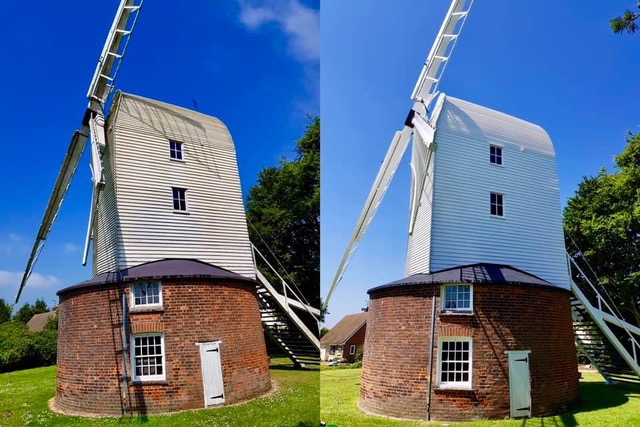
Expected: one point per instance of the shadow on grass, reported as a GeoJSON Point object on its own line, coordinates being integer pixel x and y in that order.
{"type": "Point", "coordinates": [133, 419]}
{"type": "Point", "coordinates": [594, 396]}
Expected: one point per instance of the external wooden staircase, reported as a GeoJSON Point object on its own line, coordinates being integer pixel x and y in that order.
{"type": "Point", "coordinates": [287, 318]}
{"type": "Point", "coordinates": [610, 342]}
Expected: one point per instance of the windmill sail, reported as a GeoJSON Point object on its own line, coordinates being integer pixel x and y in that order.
{"type": "Point", "coordinates": [99, 90]}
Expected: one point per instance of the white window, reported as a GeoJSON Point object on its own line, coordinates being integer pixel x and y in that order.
{"type": "Point", "coordinates": [495, 155]}
{"type": "Point", "coordinates": [497, 204]}
{"type": "Point", "coordinates": [147, 357]}
{"type": "Point", "coordinates": [456, 298]}
{"type": "Point", "coordinates": [146, 294]}
{"type": "Point", "coordinates": [179, 199]}
{"type": "Point", "coordinates": [175, 150]}
{"type": "Point", "coordinates": [352, 350]}
{"type": "Point", "coordinates": [455, 367]}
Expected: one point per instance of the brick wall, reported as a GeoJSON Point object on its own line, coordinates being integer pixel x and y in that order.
{"type": "Point", "coordinates": [89, 371]}
{"type": "Point", "coordinates": [505, 317]}
{"type": "Point", "coordinates": [356, 339]}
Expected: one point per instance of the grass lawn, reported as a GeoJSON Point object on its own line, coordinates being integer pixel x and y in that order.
{"type": "Point", "coordinates": [602, 405]}
{"type": "Point", "coordinates": [24, 396]}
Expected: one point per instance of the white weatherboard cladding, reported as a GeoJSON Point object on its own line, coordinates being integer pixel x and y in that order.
{"type": "Point", "coordinates": [419, 245]}
{"type": "Point", "coordinates": [213, 229]}
{"type": "Point", "coordinates": [106, 231]}
{"type": "Point", "coordinates": [462, 231]}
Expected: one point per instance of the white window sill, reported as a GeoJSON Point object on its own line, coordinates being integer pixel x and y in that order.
{"type": "Point", "coordinates": [175, 211]}
{"type": "Point", "coordinates": [176, 160]}
{"type": "Point", "coordinates": [149, 382]}
{"type": "Point", "coordinates": [497, 216]}
{"type": "Point", "coordinates": [146, 309]}
{"type": "Point", "coordinates": [454, 388]}
{"type": "Point", "coordinates": [456, 313]}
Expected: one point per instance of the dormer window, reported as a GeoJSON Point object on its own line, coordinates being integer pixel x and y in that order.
{"type": "Point", "coordinates": [175, 150]}
{"type": "Point", "coordinates": [495, 155]}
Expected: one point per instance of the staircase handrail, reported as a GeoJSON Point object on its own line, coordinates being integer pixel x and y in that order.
{"type": "Point", "coordinates": [311, 310]}
{"type": "Point", "coordinates": [285, 306]}
{"type": "Point", "coordinates": [614, 315]}
{"type": "Point", "coordinates": [600, 299]}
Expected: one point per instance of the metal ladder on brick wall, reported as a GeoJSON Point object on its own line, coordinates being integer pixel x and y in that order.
{"type": "Point", "coordinates": [610, 342]}
{"type": "Point", "coordinates": [282, 319]}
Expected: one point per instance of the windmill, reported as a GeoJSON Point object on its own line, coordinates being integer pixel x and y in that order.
{"type": "Point", "coordinates": [173, 272]}
{"type": "Point", "coordinates": [481, 325]}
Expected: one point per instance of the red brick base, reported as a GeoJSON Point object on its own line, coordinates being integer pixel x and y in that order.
{"type": "Point", "coordinates": [89, 372]}
{"type": "Point", "coordinates": [505, 317]}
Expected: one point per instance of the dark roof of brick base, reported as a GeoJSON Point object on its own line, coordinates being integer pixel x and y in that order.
{"type": "Point", "coordinates": [162, 269]}
{"type": "Point", "coordinates": [472, 273]}
{"type": "Point", "coordinates": [344, 329]}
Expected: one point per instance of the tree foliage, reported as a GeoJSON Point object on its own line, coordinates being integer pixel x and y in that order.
{"type": "Point", "coordinates": [5, 311]}
{"type": "Point", "coordinates": [283, 211]}
{"type": "Point", "coordinates": [21, 349]}
{"type": "Point", "coordinates": [27, 311]}
{"type": "Point", "coordinates": [603, 218]}
{"type": "Point", "coordinates": [626, 22]}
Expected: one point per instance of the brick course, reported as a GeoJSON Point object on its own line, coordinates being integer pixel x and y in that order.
{"type": "Point", "coordinates": [505, 317]}
{"type": "Point", "coordinates": [89, 367]}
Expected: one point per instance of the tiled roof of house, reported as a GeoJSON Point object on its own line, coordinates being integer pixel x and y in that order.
{"type": "Point", "coordinates": [38, 321]}
{"type": "Point", "coordinates": [344, 329]}
{"type": "Point", "coordinates": [473, 273]}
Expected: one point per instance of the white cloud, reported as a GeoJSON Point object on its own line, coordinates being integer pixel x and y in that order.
{"type": "Point", "coordinates": [298, 22]}
{"type": "Point", "coordinates": [12, 278]}
{"type": "Point", "coordinates": [12, 244]}
{"type": "Point", "coordinates": [70, 248]}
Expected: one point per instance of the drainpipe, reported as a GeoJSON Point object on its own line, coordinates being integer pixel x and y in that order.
{"type": "Point", "coordinates": [124, 353]}
{"type": "Point", "coordinates": [433, 326]}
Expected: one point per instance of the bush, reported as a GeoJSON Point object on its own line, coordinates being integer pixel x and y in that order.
{"type": "Point", "coordinates": [21, 349]}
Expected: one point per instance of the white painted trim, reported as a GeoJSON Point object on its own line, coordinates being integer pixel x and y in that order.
{"type": "Point", "coordinates": [132, 298]}
{"type": "Point", "coordinates": [463, 385]}
{"type": "Point", "coordinates": [132, 350]}
{"type": "Point", "coordinates": [443, 309]}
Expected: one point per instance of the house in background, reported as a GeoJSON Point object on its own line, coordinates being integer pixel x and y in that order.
{"type": "Point", "coordinates": [39, 321]}
{"type": "Point", "coordinates": [343, 340]}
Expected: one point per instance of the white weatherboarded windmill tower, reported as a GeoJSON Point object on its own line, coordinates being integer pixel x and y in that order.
{"type": "Point", "coordinates": [488, 289]}
{"type": "Point", "coordinates": [173, 316]}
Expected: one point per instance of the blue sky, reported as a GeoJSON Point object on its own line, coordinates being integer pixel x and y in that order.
{"type": "Point", "coordinates": [253, 64]}
{"type": "Point", "coordinates": [556, 64]}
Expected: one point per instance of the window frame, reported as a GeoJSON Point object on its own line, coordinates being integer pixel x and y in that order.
{"type": "Point", "coordinates": [500, 208]}
{"type": "Point", "coordinates": [184, 200]}
{"type": "Point", "coordinates": [497, 155]}
{"type": "Point", "coordinates": [132, 351]}
{"type": "Point", "coordinates": [133, 303]}
{"type": "Point", "coordinates": [178, 150]}
{"type": "Point", "coordinates": [352, 350]}
{"type": "Point", "coordinates": [455, 385]}
{"type": "Point", "coordinates": [443, 299]}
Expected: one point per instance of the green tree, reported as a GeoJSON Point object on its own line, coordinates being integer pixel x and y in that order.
{"type": "Point", "coordinates": [603, 218]}
{"type": "Point", "coordinates": [324, 331]}
{"type": "Point", "coordinates": [5, 311]}
{"type": "Point", "coordinates": [283, 211]}
{"type": "Point", "coordinates": [626, 22]}
{"type": "Point", "coordinates": [27, 311]}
